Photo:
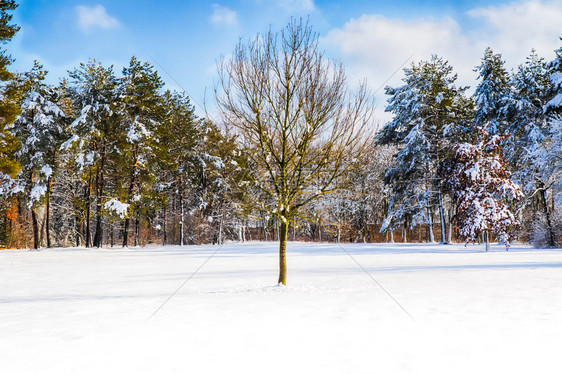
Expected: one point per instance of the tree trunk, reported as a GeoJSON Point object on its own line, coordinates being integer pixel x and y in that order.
{"type": "Point", "coordinates": [88, 212]}
{"type": "Point", "coordinates": [542, 196]}
{"type": "Point", "coordinates": [78, 229]}
{"type": "Point", "coordinates": [487, 239]}
{"type": "Point", "coordinates": [100, 184]}
{"type": "Point", "coordinates": [430, 225]}
{"type": "Point", "coordinates": [126, 232]}
{"type": "Point", "coordinates": [137, 228]}
{"type": "Point", "coordinates": [182, 213]}
{"type": "Point", "coordinates": [283, 230]}
{"type": "Point", "coordinates": [405, 229]}
{"type": "Point", "coordinates": [338, 233]}
{"type": "Point", "coordinates": [450, 233]}
{"type": "Point", "coordinates": [130, 197]}
{"type": "Point", "coordinates": [220, 227]}
{"type": "Point", "coordinates": [42, 230]}
{"type": "Point", "coordinates": [48, 212]}
{"type": "Point", "coordinates": [164, 239]}
{"type": "Point", "coordinates": [441, 215]}
{"type": "Point", "coordinates": [35, 229]}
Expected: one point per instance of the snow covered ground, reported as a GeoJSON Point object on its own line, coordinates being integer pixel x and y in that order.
{"type": "Point", "coordinates": [87, 311]}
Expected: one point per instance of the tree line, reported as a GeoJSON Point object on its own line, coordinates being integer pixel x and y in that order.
{"type": "Point", "coordinates": [116, 159]}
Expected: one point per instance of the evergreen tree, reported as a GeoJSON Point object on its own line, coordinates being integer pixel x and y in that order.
{"type": "Point", "coordinates": [525, 115]}
{"type": "Point", "coordinates": [554, 93]}
{"type": "Point", "coordinates": [218, 183]}
{"type": "Point", "coordinates": [9, 109]}
{"type": "Point", "coordinates": [527, 131]}
{"type": "Point", "coordinates": [490, 94]}
{"type": "Point", "coordinates": [429, 112]}
{"type": "Point", "coordinates": [40, 133]}
{"type": "Point", "coordinates": [140, 111]}
{"type": "Point", "coordinates": [97, 130]}
{"type": "Point", "coordinates": [9, 96]}
{"type": "Point", "coordinates": [175, 151]}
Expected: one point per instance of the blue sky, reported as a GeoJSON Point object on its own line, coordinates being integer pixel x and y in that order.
{"type": "Point", "coordinates": [372, 38]}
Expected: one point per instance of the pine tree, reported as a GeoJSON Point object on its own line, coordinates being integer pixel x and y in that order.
{"type": "Point", "coordinates": [9, 109]}
{"type": "Point", "coordinates": [40, 132]}
{"type": "Point", "coordinates": [554, 93]}
{"type": "Point", "coordinates": [491, 92]}
{"type": "Point", "coordinates": [527, 130]}
{"type": "Point", "coordinates": [140, 110]}
{"type": "Point", "coordinates": [429, 111]}
{"type": "Point", "coordinates": [175, 149]}
{"type": "Point", "coordinates": [96, 131]}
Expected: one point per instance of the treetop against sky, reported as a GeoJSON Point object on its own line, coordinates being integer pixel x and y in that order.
{"type": "Point", "coordinates": [372, 38]}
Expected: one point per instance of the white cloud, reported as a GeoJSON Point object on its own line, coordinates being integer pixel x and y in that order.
{"type": "Point", "coordinates": [515, 28]}
{"type": "Point", "coordinates": [223, 16]}
{"type": "Point", "coordinates": [374, 46]}
{"type": "Point", "coordinates": [94, 17]}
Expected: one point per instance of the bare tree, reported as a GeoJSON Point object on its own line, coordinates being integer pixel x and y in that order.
{"type": "Point", "coordinates": [301, 126]}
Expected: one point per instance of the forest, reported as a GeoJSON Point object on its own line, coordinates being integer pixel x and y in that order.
{"type": "Point", "coordinates": [113, 158]}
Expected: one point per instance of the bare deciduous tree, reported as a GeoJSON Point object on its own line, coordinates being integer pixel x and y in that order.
{"type": "Point", "coordinates": [301, 125]}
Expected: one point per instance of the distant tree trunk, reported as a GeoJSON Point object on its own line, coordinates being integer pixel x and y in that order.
{"type": "Point", "coordinates": [441, 215]}
{"type": "Point", "coordinates": [36, 244]}
{"type": "Point", "coordinates": [35, 226]}
{"type": "Point", "coordinates": [542, 196]}
{"type": "Point", "coordinates": [450, 233]}
{"type": "Point", "coordinates": [137, 228]}
{"type": "Point", "coordinates": [88, 211]}
{"type": "Point", "coordinates": [487, 239]}
{"type": "Point", "coordinates": [283, 231]}
{"type": "Point", "coordinates": [182, 210]}
{"type": "Point", "coordinates": [430, 225]}
{"type": "Point", "coordinates": [220, 225]}
{"type": "Point", "coordinates": [165, 231]}
{"type": "Point", "coordinates": [77, 229]}
{"type": "Point", "coordinates": [392, 236]}
{"type": "Point", "coordinates": [126, 232]}
{"type": "Point", "coordinates": [42, 230]}
{"type": "Point", "coordinates": [100, 186]}
{"type": "Point", "coordinates": [130, 196]}
{"type": "Point", "coordinates": [338, 231]}
{"type": "Point", "coordinates": [48, 212]}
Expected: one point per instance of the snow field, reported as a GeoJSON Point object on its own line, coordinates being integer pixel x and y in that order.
{"type": "Point", "coordinates": [86, 311]}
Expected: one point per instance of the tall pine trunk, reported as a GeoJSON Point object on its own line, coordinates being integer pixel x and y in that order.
{"type": "Point", "coordinates": [130, 196]}
{"type": "Point", "coordinates": [48, 212]}
{"type": "Point", "coordinates": [165, 231]}
{"type": "Point", "coordinates": [100, 186]}
{"type": "Point", "coordinates": [428, 205]}
{"type": "Point", "coordinates": [35, 228]}
{"type": "Point", "coordinates": [441, 215]}
{"type": "Point", "coordinates": [137, 229]}
{"type": "Point", "coordinates": [182, 213]}
{"type": "Point", "coordinates": [88, 211]}
{"type": "Point", "coordinates": [450, 231]}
